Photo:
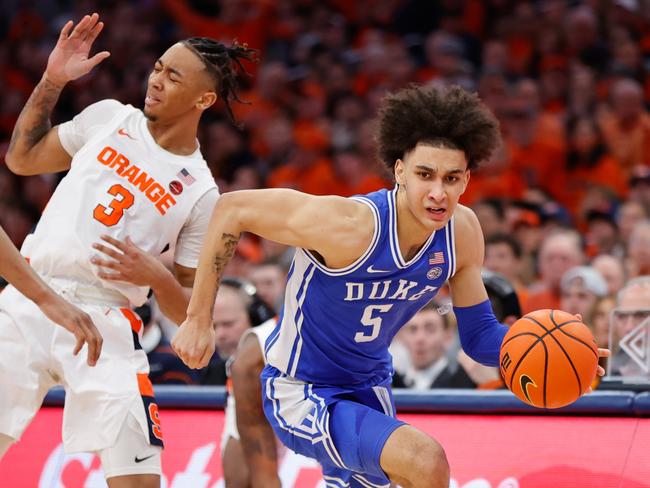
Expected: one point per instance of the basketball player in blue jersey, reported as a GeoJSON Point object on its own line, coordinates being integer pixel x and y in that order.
{"type": "Point", "coordinates": [363, 267]}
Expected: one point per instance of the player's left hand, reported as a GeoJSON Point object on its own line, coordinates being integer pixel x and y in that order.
{"type": "Point", "coordinates": [602, 353]}
{"type": "Point", "coordinates": [127, 263]}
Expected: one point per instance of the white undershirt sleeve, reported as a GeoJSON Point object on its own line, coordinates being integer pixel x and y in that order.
{"type": "Point", "coordinates": [190, 239]}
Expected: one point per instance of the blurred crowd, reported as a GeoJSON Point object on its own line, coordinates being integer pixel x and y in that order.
{"type": "Point", "coordinates": [564, 204]}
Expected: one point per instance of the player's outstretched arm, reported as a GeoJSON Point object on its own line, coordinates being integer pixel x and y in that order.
{"type": "Point", "coordinates": [255, 433]}
{"type": "Point", "coordinates": [338, 229]}
{"type": "Point", "coordinates": [16, 271]}
{"type": "Point", "coordinates": [35, 146]}
{"type": "Point", "coordinates": [480, 333]}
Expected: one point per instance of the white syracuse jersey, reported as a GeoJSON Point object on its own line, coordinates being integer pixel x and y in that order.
{"type": "Point", "coordinates": [122, 184]}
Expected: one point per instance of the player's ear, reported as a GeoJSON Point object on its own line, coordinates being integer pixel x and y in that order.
{"type": "Point", "coordinates": [399, 172]}
{"type": "Point", "coordinates": [207, 100]}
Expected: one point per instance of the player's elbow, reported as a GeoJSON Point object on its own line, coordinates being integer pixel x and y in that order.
{"type": "Point", "coordinates": [230, 207]}
{"type": "Point", "coordinates": [16, 164]}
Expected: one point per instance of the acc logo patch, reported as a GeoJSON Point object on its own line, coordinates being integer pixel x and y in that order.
{"type": "Point", "coordinates": [434, 273]}
{"type": "Point", "coordinates": [176, 187]}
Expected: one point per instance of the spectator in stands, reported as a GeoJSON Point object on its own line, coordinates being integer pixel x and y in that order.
{"type": "Point", "coordinates": [601, 234]}
{"type": "Point", "coordinates": [503, 255]}
{"type": "Point", "coordinates": [581, 287]}
{"type": "Point", "coordinates": [638, 250]}
{"type": "Point", "coordinates": [491, 215]}
{"type": "Point", "coordinates": [632, 309]}
{"type": "Point", "coordinates": [269, 277]}
{"type": "Point", "coordinates": [427, 337]}
{"type": "Point", "coordinates": [626, 127]}
{"type": "Point", "coordinates": [628, 215]}
{"type": "Point", "coordinates": [640, 185]}
{"type": "Point", "coordinates": [612, 270]}
{"type": "Point", "coordinates": [589, 164]}
{"type": "Point", "coordinates": [559, 252]}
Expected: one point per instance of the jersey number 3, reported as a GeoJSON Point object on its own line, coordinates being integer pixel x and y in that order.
{"type": "Point", "coordinates": [112, 214]}
{"type": "Point", "coordinates": [369, 321]}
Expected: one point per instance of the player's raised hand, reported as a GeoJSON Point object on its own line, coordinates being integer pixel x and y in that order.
{"type": "Point", "coordinates": [195, 342]}
{"type": "Point", "coordinates": [69, 59]}
{"type": "Point", "coordinates": [77, 322]}
{"type": "Point", "coordinates": [125, 261]}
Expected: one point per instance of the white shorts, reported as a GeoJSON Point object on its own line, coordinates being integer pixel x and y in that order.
{"type": "Point", "coordinates": [131, 454]}
{"type": "Point", "coordinates": [36, 354]}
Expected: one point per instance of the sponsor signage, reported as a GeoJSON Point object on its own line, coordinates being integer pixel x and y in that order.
{"type": "Point", "coordinates": [490, 451]}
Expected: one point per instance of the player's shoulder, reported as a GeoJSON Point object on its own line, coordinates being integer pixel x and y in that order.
{"type": "Point", "coordinates": [102, 111]}
{"type": "Point", "coordinates": [466, 223]}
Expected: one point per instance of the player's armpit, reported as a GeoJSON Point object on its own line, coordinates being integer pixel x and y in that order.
{"type": "Point", "coordinates": [256, 435]}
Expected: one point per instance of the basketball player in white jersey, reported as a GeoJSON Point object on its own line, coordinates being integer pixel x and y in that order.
{"type": "Point", "coordinates": [134, 178]}
{"type": "Point", "coordinates": [248, 445]}
{"type": "Point", "coordinates": [16, 271]}
{"type": "Point", "coordinates": [364, 266]}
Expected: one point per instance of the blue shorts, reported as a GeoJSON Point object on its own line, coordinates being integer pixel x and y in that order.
{"type": "Point", "coordinates": [343, 429]}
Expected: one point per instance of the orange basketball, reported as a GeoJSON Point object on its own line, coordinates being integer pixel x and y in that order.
{"type": "Point", "coordinates": [548, 358]}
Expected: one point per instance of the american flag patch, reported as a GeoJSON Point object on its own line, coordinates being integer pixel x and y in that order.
{"type": "Point", "coordinates": [185, 177]}
{"type": "Point", "coordinates": [436, 258]}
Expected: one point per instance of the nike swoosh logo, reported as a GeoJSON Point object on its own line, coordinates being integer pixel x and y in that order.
{"type": "Point", "coordinates": [371, 269]}
{"type": "Point", "coordinates": [525, 381]}
{"type": "Point", "coordinates": [139, 460]}
{"type": "Point", "coordinates": [122, 132]}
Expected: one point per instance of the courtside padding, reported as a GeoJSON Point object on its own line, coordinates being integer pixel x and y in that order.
{"type": "Point", "coordinates": [620, 403]}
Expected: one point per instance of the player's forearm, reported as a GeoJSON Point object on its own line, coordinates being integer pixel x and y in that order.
{"type": "Point", "coordinates": [172, 298]}
{"type": "Point", "coordinates": [33, 123]}
{"type": "Point", "coordinates": [218, 248]}
{"type": "Point", "coordinates": [14, 268]}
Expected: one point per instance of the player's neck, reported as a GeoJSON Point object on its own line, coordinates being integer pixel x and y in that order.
{"type": "Point", "coordinates": [174, 137]}
{"type": "Point", "coordinates": [410, 232]}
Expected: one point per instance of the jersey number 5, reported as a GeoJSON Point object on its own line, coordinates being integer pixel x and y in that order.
{"type": "Point", "coordinates": [112, 214]}
{"type": "Point", "coordinates": [369, 321]}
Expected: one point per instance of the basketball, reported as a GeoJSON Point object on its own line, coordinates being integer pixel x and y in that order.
{"type": "Point", "coordinates": [548, 358]}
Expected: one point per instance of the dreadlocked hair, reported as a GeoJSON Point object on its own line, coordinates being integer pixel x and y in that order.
{"type": "Point", "coordinates": [450, 118]}
{"type": "Point", "coordinates": [224, 63]}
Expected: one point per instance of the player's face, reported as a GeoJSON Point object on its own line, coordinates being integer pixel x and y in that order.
{"type": "Point", "coordinates": [178, 84]}
{"type": "Point", "coordinates": [433, 180]}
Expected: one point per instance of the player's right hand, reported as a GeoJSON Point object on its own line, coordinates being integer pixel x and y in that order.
{"type": "Point", "coordinates": [76, 321]}
{"type": "Point", "coordinates": [195, 342]}
{"type": "Point", "coordinates": [69, 58]}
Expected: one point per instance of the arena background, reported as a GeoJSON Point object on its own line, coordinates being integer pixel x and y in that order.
{"type": "Point", "coordinates": [568, 82]}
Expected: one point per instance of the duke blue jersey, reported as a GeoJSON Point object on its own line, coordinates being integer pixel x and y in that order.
{"type": "Point", "coordinates": [336, 324]}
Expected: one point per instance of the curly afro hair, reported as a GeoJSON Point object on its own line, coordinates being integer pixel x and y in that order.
{"type": "Point", "coordinates": [451, 118]}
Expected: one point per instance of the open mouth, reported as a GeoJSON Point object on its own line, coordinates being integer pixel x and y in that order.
{"type": "Point", "coordinates": [436, 210]}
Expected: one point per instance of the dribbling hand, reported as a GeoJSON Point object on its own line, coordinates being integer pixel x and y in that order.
{"type": "Point", "coordinates": [77, 322]}
{"type": "Point", "coordinates": [69, 58]}
{"type": "Point", "coordinates": [195, 342]}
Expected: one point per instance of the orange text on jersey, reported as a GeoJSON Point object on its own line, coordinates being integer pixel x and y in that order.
{"type": "Point", "coordinates": [153, 190]}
